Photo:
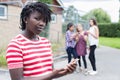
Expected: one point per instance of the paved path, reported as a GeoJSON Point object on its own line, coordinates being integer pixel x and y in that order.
{"type": "Point", "coordinates": [108, 63]}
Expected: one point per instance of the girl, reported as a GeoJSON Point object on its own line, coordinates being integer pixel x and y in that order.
{"type": "Point", "coordinates": [70, 42]}
{"type": "Point", "coordinates": [93, 37]}
{"type": "Point", "coordinates": [29, 56]}
{"type": "Point", "coordinates": [81, 39]}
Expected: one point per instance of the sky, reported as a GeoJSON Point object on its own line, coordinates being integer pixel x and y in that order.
{"type": "Point", "coordinates": [110, 6]}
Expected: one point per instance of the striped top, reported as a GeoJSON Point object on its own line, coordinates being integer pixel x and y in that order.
{"type": "Point", "coordinates": [33, 56]}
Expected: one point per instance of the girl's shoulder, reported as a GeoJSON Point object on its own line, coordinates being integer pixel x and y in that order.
{"type": "Point", "coordinates": [67, 31]}
{"type": "Point", "coordinates": [95, 27]}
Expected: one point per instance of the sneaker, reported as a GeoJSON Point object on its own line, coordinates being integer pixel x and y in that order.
{"type": "Point", "coordinates": [90, 71]}
{"type": "Point", "coordinates": [93, 73]}
{"type": "Point", "coordinates": [81, 69]}
{"type": "Point", "coordinates": [86, 72]}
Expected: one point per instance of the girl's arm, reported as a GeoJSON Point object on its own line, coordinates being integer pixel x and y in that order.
{"type": "Point", "coordinates": [70, 37]}
{"type": "Point", "coordinates": [85, 36]}
{"type": "Point", "coordinates": [76, 36]}
{"type": "Point", "coordinates": [17, 74]}
{"type": "Point", "coordinates": [96, 33]}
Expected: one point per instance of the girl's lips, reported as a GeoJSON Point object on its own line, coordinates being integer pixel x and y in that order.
{"type": "Point", "coordinates": [40, 28]}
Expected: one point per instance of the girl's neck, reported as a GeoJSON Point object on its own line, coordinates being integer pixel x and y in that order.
{"type": "Point", "coordinates": [80, 32]}
{"type": "Point", "coordinates": [71, 30]}
{"type": "Point", "coordinates": [92, 25]}
{"type": "Point", "coordinates": [30, 36]}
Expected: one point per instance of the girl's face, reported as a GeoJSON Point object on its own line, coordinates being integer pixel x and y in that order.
{"type": "Point", "coordinates": [91, 22]}
{"type": "Point", "coordinates": [71, 28]}
{"type": "Point", "coordinates": [79, 28]}
{"type": "Point", "coordinates": [34, 23]}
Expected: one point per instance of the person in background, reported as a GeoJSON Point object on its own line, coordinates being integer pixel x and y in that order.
{"type": "Point", "coordinates": [29, 56]}
{"type": "Point", "coordinates": [81, 45]}
{"type": "Point", "coordinates": [70, 42]}
{"type": "Point", "coordinates": [93, 38]}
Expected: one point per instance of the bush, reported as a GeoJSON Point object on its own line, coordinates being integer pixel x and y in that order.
{"type": "Point", "coordinates": [109, 29]}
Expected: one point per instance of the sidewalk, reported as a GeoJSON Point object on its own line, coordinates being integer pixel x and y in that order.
{"type": "Point", "coordinates": [107, 64]}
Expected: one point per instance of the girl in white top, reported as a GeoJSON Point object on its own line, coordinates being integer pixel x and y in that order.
{"type": "Point", "coordinates": [93, 38]}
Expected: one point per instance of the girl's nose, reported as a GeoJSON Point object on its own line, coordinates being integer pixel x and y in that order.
{"type": "Point", "coordinates": [41, 22]}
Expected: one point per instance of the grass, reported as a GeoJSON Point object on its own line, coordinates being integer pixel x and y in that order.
{"type": "Point", "coordinates": [3, 63]}
{"type": "Point", "coordinates": [111, 42]}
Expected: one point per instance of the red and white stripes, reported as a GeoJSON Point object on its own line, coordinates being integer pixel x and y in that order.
{"type": "Point", "coordinates": [33, 56]}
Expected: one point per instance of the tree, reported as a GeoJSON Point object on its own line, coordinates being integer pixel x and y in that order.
{"type": "Point", "coordinates": [71, 15]}
{"type": "Point", "coordinates": [46, 1]}
{"type": "Point", "coordinates": [99, 14]}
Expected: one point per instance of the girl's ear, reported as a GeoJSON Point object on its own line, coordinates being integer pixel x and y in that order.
{"type": "Point", "coordinates": [25, 20]}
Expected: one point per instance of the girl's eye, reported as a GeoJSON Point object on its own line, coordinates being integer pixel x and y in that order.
{"type": "Point", "coordinates": [37, 19]}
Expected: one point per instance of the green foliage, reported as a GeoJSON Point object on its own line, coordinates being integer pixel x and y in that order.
{"type": "Point", "coordinates": [111, 42]}
{"type": "Point", "coordinates": [2, 57]}
{"type": "Point", "coordinates": [109, 29]}
{"type": "Point", "coordinates": [99, 14]}
{"type": "Point", "coordinates": [3, 61]}
{"type": "Point", "coordinates": [64, 27]}
{"type": "Point", "coordinates": [46, 1]}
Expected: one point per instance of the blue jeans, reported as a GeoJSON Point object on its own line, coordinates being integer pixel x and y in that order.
{"type": "Point", "coordinates": [71, 51]}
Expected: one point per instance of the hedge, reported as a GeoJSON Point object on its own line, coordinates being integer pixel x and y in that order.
{"type": "Point", "coordinates": [109, 29]}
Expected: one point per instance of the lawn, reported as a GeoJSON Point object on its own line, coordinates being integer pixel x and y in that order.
{"type": "Point", "coordinates": [111, 42]}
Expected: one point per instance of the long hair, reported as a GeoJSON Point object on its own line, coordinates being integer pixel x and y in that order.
{"type": "Point", "coordinates": [69, 25]}
{"type": "Point", "coordinates": [30, 8]}
{"type": "Point", "coordinates": [94, 21]}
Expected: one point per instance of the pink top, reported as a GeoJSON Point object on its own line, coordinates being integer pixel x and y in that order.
{"type": "Point", "coordinates": [81, 45]}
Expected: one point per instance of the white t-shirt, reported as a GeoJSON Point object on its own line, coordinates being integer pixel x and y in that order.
{"type": "Point", "coordinates": [92, 40]}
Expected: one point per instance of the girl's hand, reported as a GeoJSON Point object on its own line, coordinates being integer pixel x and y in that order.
{"type": "Point", "coordinates": [88, 32]}
{"type": "Point", "coordinates": [71, 67]}
{"type": "Point", "coordinates": [73, 36]}
{"type": "Point", "coordinates": [58, 73]}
